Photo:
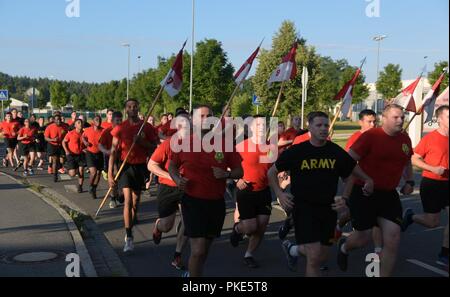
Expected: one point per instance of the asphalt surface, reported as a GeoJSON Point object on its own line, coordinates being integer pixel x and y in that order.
{"type": "Point", "coordinates": [29, 225]}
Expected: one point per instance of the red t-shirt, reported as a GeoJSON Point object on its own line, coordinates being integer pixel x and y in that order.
{"type": "Point", "coordinates": [161, 156]}
{"type": "Point", "coordinates": [255, 172]}
{"type": "Point", "coordinates": [352, 140]}
{"type": "Point", "coordinates": [74, 142]}
{"type": "Point", "coordinates": [383, 157]}
{"type": "Point", "coordinates": [30, 132]}
{"type": "Point", "coordinates": [433, 148]}
{"type": "Point", "coordinates": [92, 136]}
{"type": "Point", "coordinates": [54, 131]}
{"type": "Point", "coordinates": [125, 132]}
{"type": "Point", "coordinates": [302, 138]}
{"type": "Point", "coordinates": [166, 130]}
{"type": "Point", "coordinates": [106, 138]}
{"type": "Point", "coordinates": [9, 129]}
{"type": "Point", "coordinates": [70, 122]}
{"type": "Point", "coordinates": [197, 168]}
{"type": "Point", "coordinates": [106, 125]}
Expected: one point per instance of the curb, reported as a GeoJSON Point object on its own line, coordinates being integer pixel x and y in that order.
{"type": "Point", "coordinates": [103, 257]}
{"type": "Point", "coordinates": [80, 247]}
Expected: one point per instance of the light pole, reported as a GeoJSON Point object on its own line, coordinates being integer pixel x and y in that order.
{"type": "Point", "coordinates": [128, 75]}
{"type": "Point", "coordinates": [378, 38]}
{"type": "Point", "coordinates": [139, 64]}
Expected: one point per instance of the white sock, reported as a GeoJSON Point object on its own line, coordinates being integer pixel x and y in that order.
{"type": "Point", "coordinates": [343, 249]}
{"type": "Point", "coordinates": [293, 251]}
{"type": "Point", "coordinates": [248, 255]}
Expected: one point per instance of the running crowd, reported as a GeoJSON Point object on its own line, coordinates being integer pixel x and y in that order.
{"type": "Point", "coordinates": [304, 179]}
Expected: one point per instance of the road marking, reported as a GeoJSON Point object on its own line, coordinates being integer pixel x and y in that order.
{"type": "Point", "coordinates": [428, 267]}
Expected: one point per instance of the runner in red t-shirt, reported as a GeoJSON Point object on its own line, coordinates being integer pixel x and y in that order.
{"type": "Point", "coordinates": [27, 146]}
{"type": "Point", "coordinates": [134, 173]}
{"type": "Point", "coordinates": [367, 121]}
{"type": "Point", "coordinates": [94, 157]}
{"type": "Point", "coordinates": [253, 196]}
{"type": "Point", "coordinates": [73, 146]}
{"type": "Point", "coordinates": [9, 129]}
{"type": "Point", "coordinates": [109, 118]}
{"type": "Point", "coordinates": [384, 154]}
{"type": "Point", "coordinates": [54, 135]}
{"type": "Point", "coordinates": [202, 176]}
{"type": "Point", "coordinates": [73, 118]}
{"type": "Point", "coordinates": [431, 155]}
{"type": "Point", "coordinates": [169, 196]}
{"type": "Point", "coordinates": [104, 145]}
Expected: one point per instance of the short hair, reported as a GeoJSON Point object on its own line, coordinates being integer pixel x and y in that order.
{"type": "Point", "coordinates": [391, 106]}
{"type": "Point", "coordinates": [78, 120]}
{"type": "Point", "coordinates": [440, 110]}
{"type": "Point", "coordinates": [49, 117]}
{"type": "Point", "coordinates": [180, 111]}
{"type": "Point", "coordinates": [13, 109]}
{"type": "Point", "coordinates": [109, 109]}
{"type": "Point", "coordinates": [57, 113]}
{"type": "Point", "coordinates": [131, 99]}
{"type": "Point", "coordinates": [117, 114]}
{"type": "Point", "coordinates": [163, 115]}
{"type": "Point", "coordinates": [32, 115]}
{"type": "Point", "coordinates": [281, 122]}
{"type": "Point", "coordinates": [8, 113]}
{"type": "Point", "coordinates": [316, 114]}
{"type": "Point", "coordinates": [168, 114]}
{"type": "Point", "coordinates": [41, 118]}
{"type": "Point", "coordinates": [57, 116]}
{"type": "Point", "coordinates": [366, 112]}
{"type": "Point", "coordinates": [204, 106]}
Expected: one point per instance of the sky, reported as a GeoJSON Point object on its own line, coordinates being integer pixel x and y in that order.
{"type": "Point", "coordinates": [38, 39]}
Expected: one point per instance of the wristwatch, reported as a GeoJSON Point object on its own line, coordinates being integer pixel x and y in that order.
{"type": "Point", "coordinates": [410, 182]}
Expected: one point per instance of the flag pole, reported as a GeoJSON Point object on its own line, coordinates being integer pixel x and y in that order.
{"type": "Point", "coordinates": [278, 99]}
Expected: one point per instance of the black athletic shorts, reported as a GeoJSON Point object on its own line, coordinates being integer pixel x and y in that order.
{"type": "Point", "coordinates": [25, 149]}
{"type": "Point", "coordinates": [314, 223]}
{"type": "Point", "coordinates": [434, 195]}
{"type": "Point", "coordinates": [252, 204]}
{"type": "Point", "coordinates": [94, 160]}
{"type": "Point", "coordinates": [202, 218]}
{"type": "Point", "coordinates": [11, 143]}
{"type": "Point", "coordinates": [55, 150]}
{"type": "Point", "coordinates": [365, 210]}
{"type": "Point", "coordinates": [134, 177]}
{"type": "Point", "coordinates": [40, 147]}
{"type": "Point", "coordinates": [168, 200]}
{"type": "Point", "coordinates": [75, 161]}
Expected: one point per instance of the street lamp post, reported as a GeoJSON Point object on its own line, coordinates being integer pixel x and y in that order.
{"type": "Point", "coordinates": [128, 75]}
{"type": "Point", "coordinates": [378, 38]}
{"type": "Point", "coordinates": [139, 64]}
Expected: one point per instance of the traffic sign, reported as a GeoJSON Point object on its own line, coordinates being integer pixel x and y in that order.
{"type": "Point", "coordinates": [4, 95]}
{"type": "Point", "coordinates": [256, 101]}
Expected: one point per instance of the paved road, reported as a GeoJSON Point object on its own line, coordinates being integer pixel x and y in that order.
{"type": "Point", "coordinates": [419, 247]}
{"type": "Point", "coordinates": [29, 225]}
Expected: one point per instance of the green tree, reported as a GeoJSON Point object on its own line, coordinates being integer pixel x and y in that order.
{"type": "Point", "coordinates": [58, 95]}
{"type": "Point", "coordinates": [433, 76]}
{"type": "Point", "coordinates": [389, 83]}
{"type": "Point", "coordinates": [242, 105]}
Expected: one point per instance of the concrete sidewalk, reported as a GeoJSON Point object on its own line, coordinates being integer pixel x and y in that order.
{"type": "Point", "coordinates": [34, 237]}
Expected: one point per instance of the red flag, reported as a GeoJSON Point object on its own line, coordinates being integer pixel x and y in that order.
{"type": "Point", "coordinates": [242, 73]}
{"type": "Point", "coordinates": [346, 93]}
{"type": "Point", "coordinates": [174, 79]}
{"type": "Point", "coordinates": [287, 69]}
{"type": "Point", "coordinates": [430, 99]}
{"type": "Point", "coordinates": [406, 98]}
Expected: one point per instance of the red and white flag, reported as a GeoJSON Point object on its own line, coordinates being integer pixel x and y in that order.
{"type": "Point", "coordinates": [174, 79]}
{"type": "Point", "coordinates": [430, 100]}
{"type": "Point", "coordinates": [406, 98]}
{"type": "Point", "coordinates": [242, 73]}
{"type": "Point", "coordinates": [287, 69]}
{"type": "Point", "coordinates": [430, 108]}
{"type": "Point", "coordinates": [346, 93]}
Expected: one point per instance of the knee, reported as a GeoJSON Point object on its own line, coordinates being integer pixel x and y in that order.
{"type": "Point", "coordinates": [198, 253]}
{"type": "Point", "coordinates": [434, 222]}
{"type": "Point", "coordinates": [391, 241]}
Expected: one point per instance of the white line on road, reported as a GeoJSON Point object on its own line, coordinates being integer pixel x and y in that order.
{"type": "Point", "coordinates": [429, 267]}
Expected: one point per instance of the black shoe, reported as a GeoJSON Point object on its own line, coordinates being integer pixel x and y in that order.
{"type": "Point", "coordinates": [342, 259]}
{"type": "Point", "coordinates": [55, 178]}
{"type": "Point", "coordinates": [407, 219]}
{"type": "Point", "coordinates": [234, 237]}
{"type": "Point", "coordinates": [250, 262]}
{"type": "Point", "coordinates": [80, 189]}
{"type": "Point", "coordinates": [93, 192]}
{"type": "Point", "coordinates": [284, 229]}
